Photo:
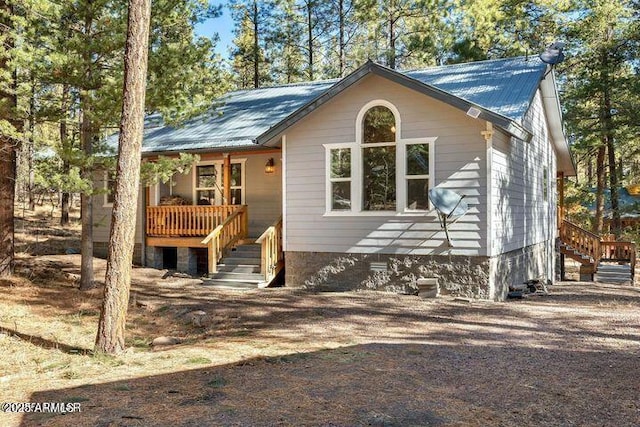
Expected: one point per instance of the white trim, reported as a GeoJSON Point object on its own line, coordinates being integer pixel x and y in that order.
{"type": "Point", "coordinates": [284, 192]}
{"type": "Point", "coordinates": [328, 180]}
{"type": "Point", "coordinates": [402, 172]}
{"type": "Point", "coordinates": [356, 154]}
{"type": "Point", "coordinates": [356, 178]}
{"type": "Point", "coordinates": [105, 185]}
{"type": "Point", "coordinates": [488, 136]}
{"type": "Point", "coordinates": [376, 103]}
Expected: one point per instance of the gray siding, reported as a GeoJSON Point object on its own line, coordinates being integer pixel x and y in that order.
{"type": "Point", "coordinates": [102, 214]}
{"type": "Point", "coordinates": [460, 164]}
{"type": "Point", "coordinates": [521, 216]}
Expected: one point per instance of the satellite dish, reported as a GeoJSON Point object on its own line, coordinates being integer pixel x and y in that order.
{"type": "Point", "coordinates": [450, 207]}
{"type": "Point", "coordinates": [553, 54]}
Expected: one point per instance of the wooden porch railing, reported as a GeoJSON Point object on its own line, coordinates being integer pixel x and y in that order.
{"type": "Point", "coordinates": [619, 251]}
{"type": "Point", "coordinates": [581, 240]}
{"type": "Point", "coordinates": [185, 221]}
{"type": "Point", "coordinates": [598, 248]}
{"type": "Point", "coordinates": [272, 253]}
{"type": "Point", "coordinates": [225, 235]}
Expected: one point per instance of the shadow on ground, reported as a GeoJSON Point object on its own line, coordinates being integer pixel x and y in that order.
{"type": "Point", "coordinates": [372, 384]}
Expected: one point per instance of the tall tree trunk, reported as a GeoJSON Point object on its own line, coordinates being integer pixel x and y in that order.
{"type": "Point", "coordinates": [341, 46]}
{"type": "Point", "coordinates": [7, 153]}
{"type": "Point", "coordinates": [86, 137]}
{"type": "Point", "coordinates": [86, 241]}
{"type": "Point", "coordinates": [256, 47]}
{"type": "Point", "coordinates": [600, 184]}
{"type": "Point", "coordinates": [110, 337]}
{"type": "Point", "coordinates": [391, 56]}
{"type": "Point", "coordinates": [608, 141]}
{"type": "Point", "coordinates": [309, 5]}
{"type": "Point", "coordinates": [31, 175]}
{"type": "Point", "coordinates": [64, 217]}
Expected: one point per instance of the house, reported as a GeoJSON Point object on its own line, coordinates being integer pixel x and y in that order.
{"type": "Point", "coordinates": [332, 177]}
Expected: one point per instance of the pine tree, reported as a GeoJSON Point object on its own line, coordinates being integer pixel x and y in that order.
{"type": "Point", "coordinates": [603, 45]}
{"type": "Point", "coordinates": [110, 337]}
{"type": "Point", "coordinates": [288, 55]}
{"type": "Point", "coordinates": [9, 132]}
{"type": "Point", "coordinates": [253, 25]}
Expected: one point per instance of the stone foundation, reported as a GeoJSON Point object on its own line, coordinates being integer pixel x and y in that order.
{"type": "Point", "coordinates": [518, 266]}
{"type": "Point", "coordinates": [457, 275]}
{"type": "Point", "coordinates": [462, 276]}
{"type": "Point", "coordinates": [100, 250]}
{"type": "Point", "coordinates": [187, 261]}
{"type": "Point", "coordinates": [154, 257]}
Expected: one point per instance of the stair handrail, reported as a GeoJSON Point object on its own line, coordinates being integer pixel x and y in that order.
{"type": "Point", "coordinates": [272, 254]}
{"type": "Point", "coordinates": [582, 240]}
{"type": "Point", "coordinates": [229, 232]}
{"type": "Point", "coordinates": [620, 251]}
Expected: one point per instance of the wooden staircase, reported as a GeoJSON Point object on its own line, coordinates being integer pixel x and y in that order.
{"type": "Point", "coordinates": [236, 262]}
{"type": "Point", "coordinates": [239, 268]}
{"type": "Point", "coordinates": [602, 260]}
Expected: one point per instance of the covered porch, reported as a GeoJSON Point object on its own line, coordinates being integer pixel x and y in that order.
{"type": "Point", "coordinates": [227, 200]}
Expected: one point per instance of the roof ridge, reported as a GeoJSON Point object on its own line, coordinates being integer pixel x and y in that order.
{"type": "Point", "coordinates": [337, 79]}
{"type": "Point", "coordinates": [459, 64]}
{"type": "Point", "coordinates": [296, 84]}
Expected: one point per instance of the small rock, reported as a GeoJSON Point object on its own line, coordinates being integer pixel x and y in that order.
{"type": "Point", "coordinates": [199, 318]}
{"type": "Point", "coordinates": [161, 341]}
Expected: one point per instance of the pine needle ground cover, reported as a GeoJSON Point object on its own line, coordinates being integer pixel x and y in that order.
{"type": "Point", "coordinates": [289, 357]}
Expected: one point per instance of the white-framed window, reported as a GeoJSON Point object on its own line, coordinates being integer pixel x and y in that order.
{"type": "Point", "coordinates": [208, 183]}
{"type": "Point", "coordinates": [380, 173]}
{"type": "Point", "coordinates": [339, 181]}
{"type": "Point", "coordinates": [417, 175]}
{"type": "Point", "coordinates": [109, 183]}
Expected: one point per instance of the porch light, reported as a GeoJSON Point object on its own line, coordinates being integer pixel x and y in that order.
{"type": "Point", "coordinates": [270, 167]}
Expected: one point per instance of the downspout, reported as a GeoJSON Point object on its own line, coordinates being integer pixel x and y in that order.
{"type": "Point", "coordinates": [488, 137]}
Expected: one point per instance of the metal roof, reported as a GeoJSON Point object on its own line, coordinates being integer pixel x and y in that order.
{"type": "Point", "coordinates": [236, 119]}
{"type": "Point", "coordinates": [502, 88]}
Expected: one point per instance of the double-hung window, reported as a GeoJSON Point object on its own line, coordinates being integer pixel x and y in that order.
{"type": "Point", "coordinates": [209, 183]}
{"type": "Point", "coordinates": [339, 178]}
{"type": "Point", "coordinates": [379, 173]}
{"type": "Point", "coordinates": [417, 175]}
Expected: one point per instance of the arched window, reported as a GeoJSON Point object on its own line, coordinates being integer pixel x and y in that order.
{"type": "Point", "coordinates": [379, 159]}
{"type": "Point", "coordinates": [379, 172]}
{"type": "Point", "coordinates": [378, 125]}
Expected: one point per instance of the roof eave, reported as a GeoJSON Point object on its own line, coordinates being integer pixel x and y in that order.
{"type": "Point", "coordinates": [551, 103]}
{"type": "Point", "coordinates": [219, 149]}
{"type": "Point", "coordinates": [509, 125]}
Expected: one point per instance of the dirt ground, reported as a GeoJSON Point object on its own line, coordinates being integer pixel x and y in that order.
{"type": "Point", "coordinates": [292, 358]}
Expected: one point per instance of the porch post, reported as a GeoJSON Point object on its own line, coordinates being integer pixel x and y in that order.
{"type": "Point", "coordinates": [226, 184]}
{"type": "Point", "coordinates": [561, 198]}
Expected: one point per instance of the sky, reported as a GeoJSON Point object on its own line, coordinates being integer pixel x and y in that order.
{"type": "Point", "coordinates": [222, 25]}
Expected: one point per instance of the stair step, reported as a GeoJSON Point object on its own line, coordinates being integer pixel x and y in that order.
{"type": "Point", "coordinates": [255, 249]}
{"type": "Point", "coordinates": [238, 277]}
{"type": "Point", "coordinates": [614, 268]}
{"type": "Point", "coordinates": [232, 260]}
{"type": "Point", "coordinates": [599, 279]}
{"type": "Point", "coordinates": [239, 268]}
{"type": "Point", "coordinates": [244, 254]}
